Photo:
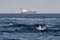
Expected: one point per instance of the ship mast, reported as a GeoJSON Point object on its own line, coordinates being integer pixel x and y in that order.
{"type": "Point", "coordinates": [21, 9]}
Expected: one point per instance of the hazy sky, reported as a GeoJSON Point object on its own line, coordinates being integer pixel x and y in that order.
{"type": "Point", "coordinates": [10, 6]}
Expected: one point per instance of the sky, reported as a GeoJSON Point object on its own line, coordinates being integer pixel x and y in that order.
{"type": "Point", "coordinates": [42, 6]}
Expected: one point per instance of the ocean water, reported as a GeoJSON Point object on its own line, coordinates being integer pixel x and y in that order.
{"type": "Point", "coordinates": [24, 26]}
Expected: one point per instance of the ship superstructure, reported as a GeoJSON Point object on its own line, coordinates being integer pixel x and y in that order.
{"type": "Point", "coordinates": [28, 11]}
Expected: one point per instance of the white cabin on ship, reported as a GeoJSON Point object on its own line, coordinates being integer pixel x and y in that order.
{"type": "Point", "coordinates": [28, 11]}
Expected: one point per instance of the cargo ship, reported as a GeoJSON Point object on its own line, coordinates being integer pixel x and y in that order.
{"type": "Point", "coordinates": [25, 11]}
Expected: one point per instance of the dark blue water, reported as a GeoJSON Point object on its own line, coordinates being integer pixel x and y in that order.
{"type": "Point", "coordinates": [24, 26]}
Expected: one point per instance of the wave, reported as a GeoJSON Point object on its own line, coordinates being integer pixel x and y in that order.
{"type": "Point", "coordinates": [30, 24]}
{"type": "Point", "coordinates": [29, 28]}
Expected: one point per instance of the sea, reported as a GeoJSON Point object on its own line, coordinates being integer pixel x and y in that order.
{"type": "Point", "coordinates": [18, 26]}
